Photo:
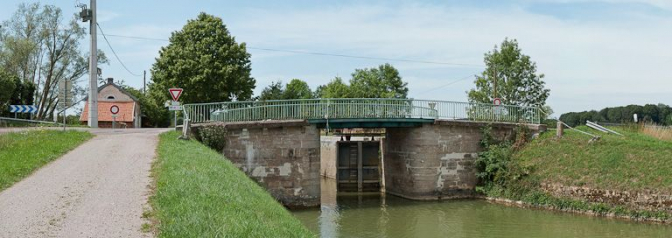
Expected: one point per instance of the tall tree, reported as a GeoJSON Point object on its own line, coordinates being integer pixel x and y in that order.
{"type": "Point", "coordinates": [381, 82]}
{"type": "Point", "coordinates": [336, 88]}
{"type": "Point", "coordinates": [42, 47]}
{"type": "Point", "coordinates": [7, 86]}
{"type": "Point", "coordinates": [297, 89]}
{"type": "Point", "coordinates": [515, 75]}
{"type": "Point", "coordinates": [205, 60]}
{"type": "Point", "coordinates": [272, 92]}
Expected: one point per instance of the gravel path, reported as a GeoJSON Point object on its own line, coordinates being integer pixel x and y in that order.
{"type": "Point", "coordinates": [99, 189]}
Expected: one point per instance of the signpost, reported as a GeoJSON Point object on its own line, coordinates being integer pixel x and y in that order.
{"type": "Point", "coordinates": [175, 93]}
{"type": "Point", "coordinates": [498, 110]}
{"type": "Point", "coordinates": [114, 109]}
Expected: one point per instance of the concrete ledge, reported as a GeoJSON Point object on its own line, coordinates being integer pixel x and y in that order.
{"type": "Point", "coordinates": [504, 125]}
{"type": "Point", "coordinates": [254, 124]}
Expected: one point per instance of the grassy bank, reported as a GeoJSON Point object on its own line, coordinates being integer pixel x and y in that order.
{"type": "Point", "coordinates": [23, 152]}
{"type": "Point", "coordinates": [634, 162]}
{"type": "Point", "coordinates": [199, 193]}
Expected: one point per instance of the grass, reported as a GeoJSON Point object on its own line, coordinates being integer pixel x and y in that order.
{"type": "Point", "coordinates": [199, 193]}
{"type": "Point", "coordinates": [633, 162]}
{"type": "Point", "coordinates": [23, 152]}
{"type": "Point", "coordinates": [658, 132]}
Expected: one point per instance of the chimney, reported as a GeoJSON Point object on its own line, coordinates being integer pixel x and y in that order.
{"type": "Point", "coordinates": [110, 80]}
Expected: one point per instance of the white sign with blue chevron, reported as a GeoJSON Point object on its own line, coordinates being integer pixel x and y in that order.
{"type": "Point", "coordinates": [23, 108]}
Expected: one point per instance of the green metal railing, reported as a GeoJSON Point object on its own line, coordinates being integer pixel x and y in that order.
{"type": "Point", "coordinates": [351, 108]}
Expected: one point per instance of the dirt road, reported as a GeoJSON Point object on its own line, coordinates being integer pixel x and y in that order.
{"type": "Point", "coordinates": [99, 189]}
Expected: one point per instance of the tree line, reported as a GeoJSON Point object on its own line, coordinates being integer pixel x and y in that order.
{"type": "Point", "coordinates": [40, 47]}
{"type": "Point", "coordinates": [659, 114]}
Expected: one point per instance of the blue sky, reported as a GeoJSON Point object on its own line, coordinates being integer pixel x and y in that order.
{"type": "Point", "coordinates": [594, 53]}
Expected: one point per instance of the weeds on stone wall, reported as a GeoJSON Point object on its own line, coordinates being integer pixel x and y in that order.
{"type": "Point", "coordinates": [495, 165]}
{"type": "Point", "coordinates": [212, 136]}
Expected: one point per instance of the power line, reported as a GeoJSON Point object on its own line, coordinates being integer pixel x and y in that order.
{"type": "Point", "coordinates": [115, 53]}
{"type": "Point", "coordinates": [445, 85]}
{"type": "Point", "coordinates": [324, 54]}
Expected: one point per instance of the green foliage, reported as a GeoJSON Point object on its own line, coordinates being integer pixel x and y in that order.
{"type": "Point", "coordinates": [272, 92]}
{"type": "Point", "coordinates": [7, 87]}
{"type": "Point", "coordinates": [199, 193]}
{"type": "Point", "coordinates": [154, 115]}
{"type": "Point", "coordinates": [295, 89]}
{"type": "Point", "coordinates": [492, 164]}
{"type": "Point", "coordinates": [334, 89]}
{"type": "Point", "coordinates": [19, 156]}
{"type": "Point", "coordinates": [517, 80]}
{"type": "Point", "coordinates": [205, 60]}
{"type": "Point", "coordinates": [651, 113]}
{"type": "Point", "coordinates": [495, 165]}
{"type": "Point", "coordinates": [381, 82]}
{"type": "Point", "coordinates": [41, 45]}
{"type": "Point", "coordinates": [212, 136]}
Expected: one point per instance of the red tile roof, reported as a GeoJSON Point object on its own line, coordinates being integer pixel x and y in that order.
{"type": "Point", "coordinates": [125, 111]}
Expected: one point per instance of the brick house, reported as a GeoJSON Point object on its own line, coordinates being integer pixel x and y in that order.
{"type": "Point", "coordinates": [110, 94]}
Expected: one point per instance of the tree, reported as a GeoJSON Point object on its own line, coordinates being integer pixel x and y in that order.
{"type": "Point", "coordinates": [7, 86]}
{"type": "Point", "coordinates": [334, 89]}
{"type": "Point", "coordinates": [41, 49]}
{"type": "Point", "coordinates": [204, 60]}
{"type": "Point", "coordinates": [381, 82]}
{"type": "Point", "coordinates": [516, 78]}
{"type": "Point", "coordinates": [153, 114]}
{"type": "Point", "coordinates": [272, 92]}
{"type": "Point", "coordinates": [297, 89]}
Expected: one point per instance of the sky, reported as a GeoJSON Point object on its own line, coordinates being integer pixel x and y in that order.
{"type": "Point", "coordinates": [593, 53]}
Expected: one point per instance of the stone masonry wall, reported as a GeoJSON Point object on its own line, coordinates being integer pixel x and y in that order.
{"type": "Point", "coordinates": [436, 161]}
{"type": "Point", "coordinates": [283, 157]}
{"type": "Point", "coordinates": [641, 200]}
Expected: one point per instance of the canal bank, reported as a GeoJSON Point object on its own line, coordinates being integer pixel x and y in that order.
{"type": "Point", "coordinates": [381, 215]}
{"type": "Point", "coordinates": [615, 176]}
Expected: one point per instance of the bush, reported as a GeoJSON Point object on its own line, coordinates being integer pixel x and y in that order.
{"type": "Point", "coordinates": [495, 165]}
{"type": "Point", "coordinates": [212, 136]}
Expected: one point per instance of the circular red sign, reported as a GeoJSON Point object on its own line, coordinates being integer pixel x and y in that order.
{"type": "Point", "coordinates": [114, 109]}
{"type": "Point", "coordinates": [497, 102]}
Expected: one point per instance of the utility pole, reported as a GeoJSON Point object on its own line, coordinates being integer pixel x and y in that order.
{"type": "Point", "coordinates": [495, 78]}
{"type": "Point", "coordinates": [144, 81]}
{"type": "Point", "coordinates": [93, 71]}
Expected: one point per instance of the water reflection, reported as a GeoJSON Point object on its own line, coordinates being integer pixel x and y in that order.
{"type": "Point", "coordinates": [377, 215]}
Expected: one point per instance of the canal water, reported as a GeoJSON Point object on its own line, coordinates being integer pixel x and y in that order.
{"type": "Point", "coordinates": [379, 215]}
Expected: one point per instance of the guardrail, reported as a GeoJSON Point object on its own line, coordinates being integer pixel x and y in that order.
{"type": "Point", "coordinates": [347, 108]}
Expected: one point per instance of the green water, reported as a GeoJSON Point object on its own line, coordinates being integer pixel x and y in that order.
{"type": "Point", "coordinates": [390, 216]}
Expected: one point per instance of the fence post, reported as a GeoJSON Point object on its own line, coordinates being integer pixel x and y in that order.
{"type": "Point", "coordinates": [558, 131]}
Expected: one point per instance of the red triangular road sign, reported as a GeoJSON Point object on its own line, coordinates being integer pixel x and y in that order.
{"type": "Point", "coordinates": [175, 93]}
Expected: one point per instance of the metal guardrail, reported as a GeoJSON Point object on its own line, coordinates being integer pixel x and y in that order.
{"type": "Point", "coordinates": [351, 108]}
{"type": "Point", "coordinates": [28, 121]}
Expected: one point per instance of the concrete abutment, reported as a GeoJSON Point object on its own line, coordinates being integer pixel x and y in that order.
{"type": "Point", "coordinates": [430, 162]}
{"type": "Point", "coordinates": [283, 157]}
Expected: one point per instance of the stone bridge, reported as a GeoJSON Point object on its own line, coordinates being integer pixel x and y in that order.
{"type": "Point", "coordinates": [429, 150]}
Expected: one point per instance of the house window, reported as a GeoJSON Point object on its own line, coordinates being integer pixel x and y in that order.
{"type": "Point", "coordinates": [110, 97]}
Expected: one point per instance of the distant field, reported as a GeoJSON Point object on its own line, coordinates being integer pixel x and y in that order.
{"type": "Point", "coordinates": [632, 162]}
{"type": "Point", "coordinates": [199, 193]}
{"type": "Point", "coordinates": [23, 152]}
